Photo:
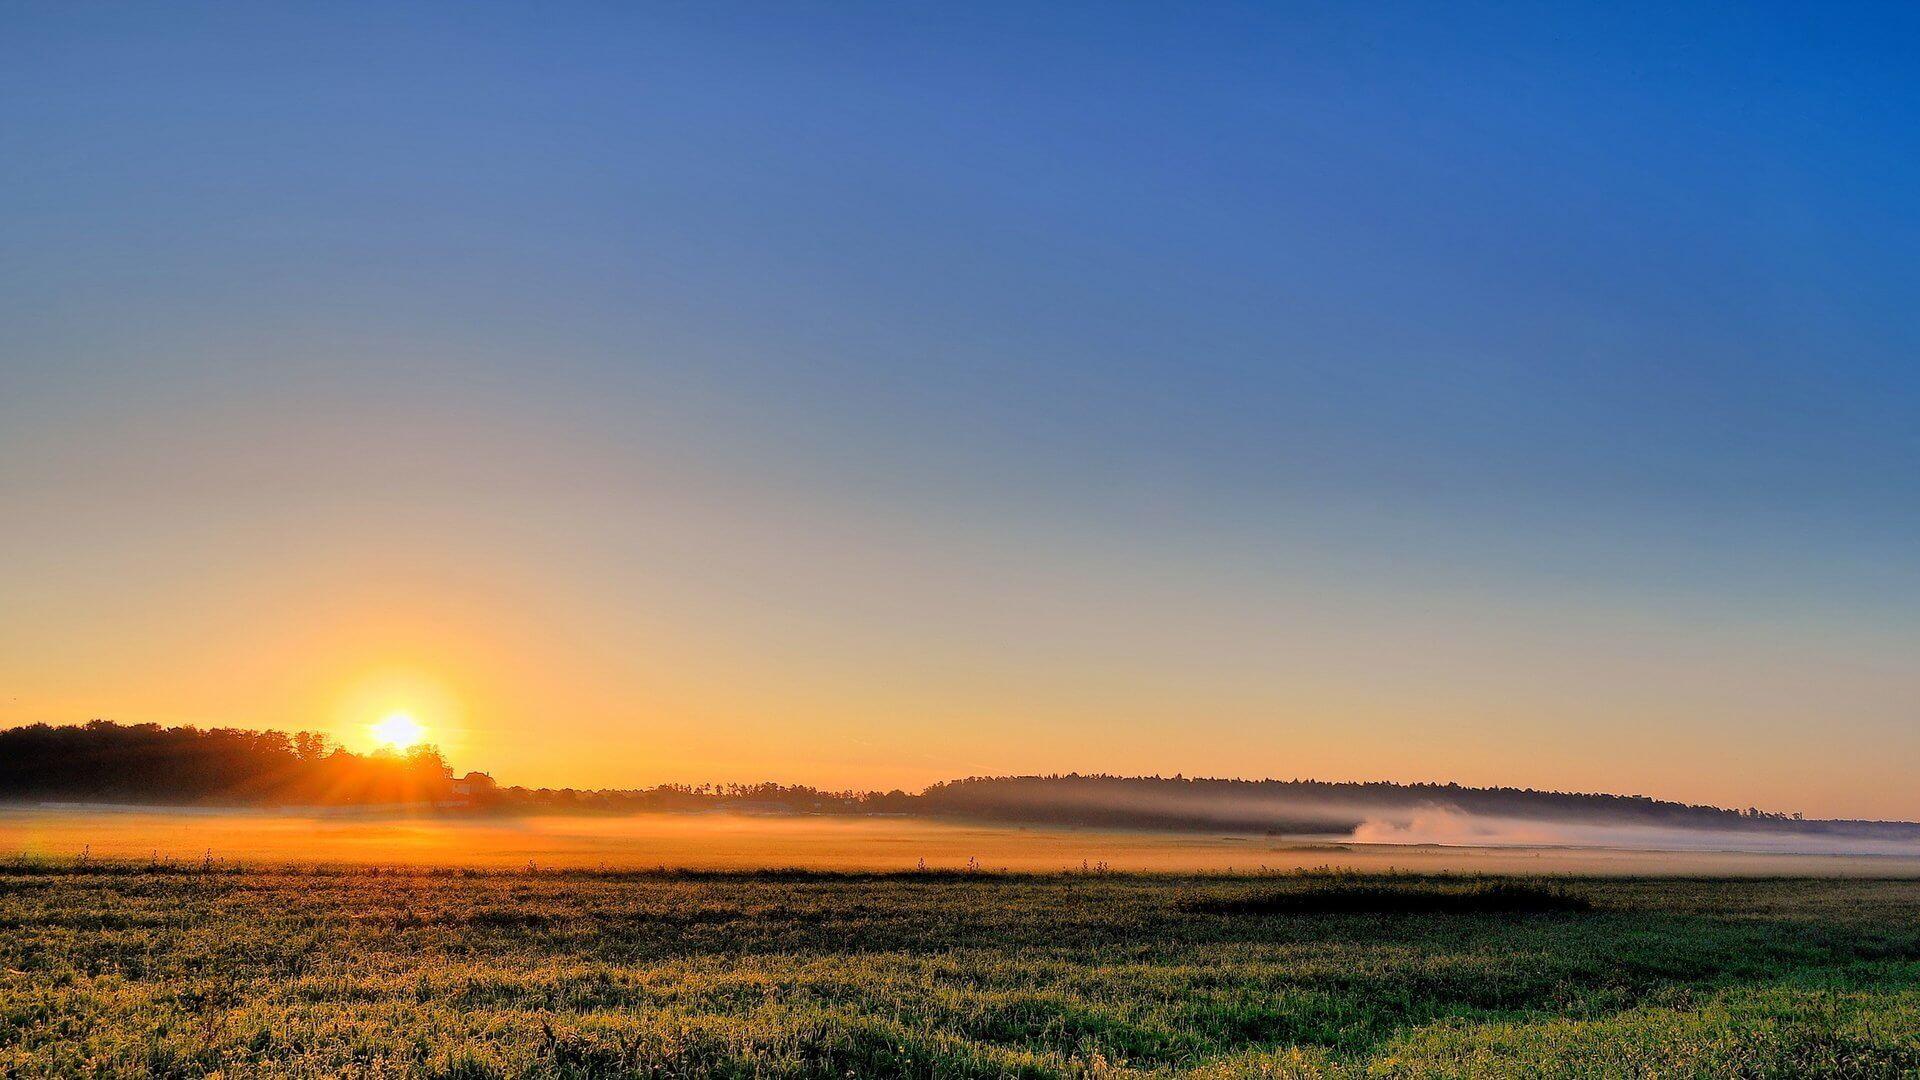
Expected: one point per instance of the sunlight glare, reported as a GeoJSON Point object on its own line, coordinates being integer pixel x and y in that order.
{"type": "Point", "coordinates": [399, 730]}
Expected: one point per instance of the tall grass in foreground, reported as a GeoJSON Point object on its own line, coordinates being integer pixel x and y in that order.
{"type": "Point", "coordinates": [115, 969]}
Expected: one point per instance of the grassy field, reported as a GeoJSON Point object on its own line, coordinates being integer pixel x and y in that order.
{"type": "Point", "coordinates": [124, 969]}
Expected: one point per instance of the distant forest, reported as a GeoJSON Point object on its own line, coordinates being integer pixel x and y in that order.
{"type": "Point", "coordinates": [105, 762]}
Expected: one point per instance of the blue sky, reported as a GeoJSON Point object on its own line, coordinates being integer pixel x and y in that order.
{"type": "Point", "coordinates": [1579, 332]}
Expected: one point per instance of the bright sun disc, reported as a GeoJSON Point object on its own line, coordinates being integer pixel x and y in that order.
{"type": "Point", "coordinates": [399, 730]}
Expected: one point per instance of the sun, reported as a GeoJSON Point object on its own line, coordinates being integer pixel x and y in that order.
{"type": "Point", "coordinates": [398, 730]}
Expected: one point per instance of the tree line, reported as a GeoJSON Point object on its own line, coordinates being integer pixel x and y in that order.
{"type": "Point", "coordinates": [102, 761]}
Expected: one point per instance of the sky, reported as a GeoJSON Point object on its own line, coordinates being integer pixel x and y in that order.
{"type": "Point", "coordinates": [870, 394]}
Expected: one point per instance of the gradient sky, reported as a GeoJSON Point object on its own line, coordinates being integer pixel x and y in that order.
{"type": "Point", "coordinates": [872, 394]}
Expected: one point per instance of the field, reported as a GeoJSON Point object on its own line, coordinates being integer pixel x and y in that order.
{"type": "Point", "coordinates": [188, 969]}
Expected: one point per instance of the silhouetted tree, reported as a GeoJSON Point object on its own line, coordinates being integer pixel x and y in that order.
{"type": "Point", "coordinates": [145, 763]}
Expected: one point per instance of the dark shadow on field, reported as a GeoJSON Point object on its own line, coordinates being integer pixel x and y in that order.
{"type": "Point", "coordinates": [1357, 897]}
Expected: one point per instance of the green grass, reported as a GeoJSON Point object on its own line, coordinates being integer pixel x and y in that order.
{"type": "Point", "coordinates": [121, 970]}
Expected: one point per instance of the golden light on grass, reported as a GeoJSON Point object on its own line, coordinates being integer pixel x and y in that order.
{"type": "Point", "coordinates": [398, 730]}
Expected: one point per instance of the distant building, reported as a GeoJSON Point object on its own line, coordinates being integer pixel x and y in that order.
{"type": "Point", "coordinates": [471, 789]}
